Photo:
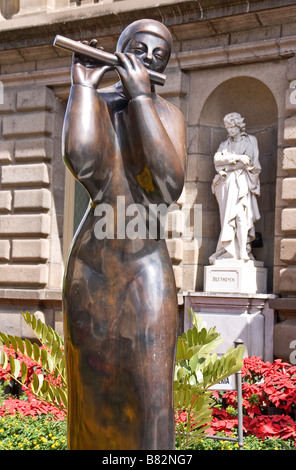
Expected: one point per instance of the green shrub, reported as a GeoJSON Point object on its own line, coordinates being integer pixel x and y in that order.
{"type": "Point", "coordinates": [43, 432]}
{"type": "Point", "coordinates": [250, 443]}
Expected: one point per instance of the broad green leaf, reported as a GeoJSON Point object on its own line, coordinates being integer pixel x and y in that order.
{"type": "Point", "coordinates": [193, 362]}
{"type": "Point", "coordinates": [39, 328]}
{"type": "Point", "coordinates": [63, 395]}
{"type": "Point", "coordinates": [36, 352]}
{"type": "Point", "coordinates": [3, 358]}
{"type": "Point", "coordinates": [27, 317]}
{"type": "Point", "coordinates": [34, 383]}
{"type": "Point", "coordinates": [5, 340]}
{"type": "Point", "coordinates": [45, 387]}
{"type": "Point", "coordinates": [43, 334]}
{"type": "Point", "coordinates": [44, 356]}
{"type": "Point", "coordinates": [58, 355]}
{"type": "Point", "coordinates": [50, 364]}
{"type": "Point", "coordinates": [51, 394]}
{"type": "Point", "coordinates": [49, 338]}
{"type": "Point", "coordinates": [54, 348]}
{"type": "Point", "coordinates": [57, 396]}
{"type": "Point", "coordinates": [24, 372]}
{"type": "Point", "coordinates": [37, 382]}
{"type": "Point", "coordinates": [33, 322]}
{"type": "Point", "coordinates": [21, 344]}
{"type": "Point", "coordinates": [192, 380]}
{"type": "Point", "coordinates": [29, 347]}
{"type": "Point", "coordinates": [14, 366]}
{"type": "Point", "coordinates": [40, 381]}
{"type": "Point", "coordinates": [13, 342]}
{"type": "Point", "coordinates": [182, 350]}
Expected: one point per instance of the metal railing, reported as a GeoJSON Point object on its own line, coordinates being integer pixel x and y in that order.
{"type": "Point", "coordinates": [236, 384]}
{"type": "Point", "coordinates": [238, 387]}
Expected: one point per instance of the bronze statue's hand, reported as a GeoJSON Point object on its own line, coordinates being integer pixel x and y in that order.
{"type": "Point", "coordinates": [86, 71]}
{"type": "Point", "coordinates": [134, 76]}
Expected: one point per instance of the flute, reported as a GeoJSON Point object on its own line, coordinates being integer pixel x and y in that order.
{"type": "Point", "coordinates": [99, 55]}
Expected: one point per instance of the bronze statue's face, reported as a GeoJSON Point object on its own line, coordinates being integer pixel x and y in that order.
{"type": "Point", "coordinates": [151, 50]}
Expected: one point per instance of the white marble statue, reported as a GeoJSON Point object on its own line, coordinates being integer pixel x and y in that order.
{"type": "Point", "coordinates": [236, 187]}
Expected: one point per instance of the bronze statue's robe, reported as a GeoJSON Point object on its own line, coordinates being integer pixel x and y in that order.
{"type": "Point", "coordinates": [119, 296]}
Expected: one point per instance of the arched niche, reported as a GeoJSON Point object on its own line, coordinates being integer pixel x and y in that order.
{"type": "Point", "coordinates": [256, 103]}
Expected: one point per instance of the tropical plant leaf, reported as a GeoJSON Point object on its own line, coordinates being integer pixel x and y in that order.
{"type": "Point", "coordinates": [197, 369]}
{"type": "Point", "coordinates": [3, 355]}
{"type": "Point", "coordinates": [24, 372]}
{"type": "Point", "coordinates": [21, 344]}
{"type": "Point", "coordinates": [15, 366]}
{"type": "Point", "coordinates": [29, 347]}
{"type": "Point", "coordinates": [37, 383]}
{"type": "Point", "coordinates": [36, 353]}
{"type": "Point", "coordinates": [5, 340]}
{"type": "Point", "coordinates": [49, 359]}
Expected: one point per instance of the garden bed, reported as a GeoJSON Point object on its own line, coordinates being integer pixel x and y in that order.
{"type": "Point", "coordinates": [265, 386]}
{"type": "Point", "coordinates": [30, 424]}
{"type": "Point", "coordinates": [36, 419]}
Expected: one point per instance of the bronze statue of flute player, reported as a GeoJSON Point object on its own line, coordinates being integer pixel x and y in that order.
{"type": "Point", "coordinates": [119, 294]}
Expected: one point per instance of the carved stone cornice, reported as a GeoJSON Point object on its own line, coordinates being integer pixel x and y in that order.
{"type": "Point", "coordinates": [237, 303]}
{"type": "Point", "coordinates": [243, 53]}
{"type": "Point", "coordinates": [185, 61]}
{"type": "Point", "coordinates": [109, 19]}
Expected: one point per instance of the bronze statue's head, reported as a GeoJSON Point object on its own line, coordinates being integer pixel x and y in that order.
{"type": "Point", "coordinates": [149, 40]}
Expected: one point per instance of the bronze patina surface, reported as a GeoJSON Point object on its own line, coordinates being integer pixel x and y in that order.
{"type": "Point", "coordinates": [119, 295]}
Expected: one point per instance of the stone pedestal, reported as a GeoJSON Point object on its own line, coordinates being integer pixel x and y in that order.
{"type": "Point", "coordinates": [243, 316]}
{"type": "Point", "coordinates": [237, 276]}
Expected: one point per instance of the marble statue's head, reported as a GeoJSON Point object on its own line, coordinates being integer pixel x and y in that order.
{"type": "Point", "coordinates": [234, 119]}
{"type": "Point", "coordinates": [149, 40]}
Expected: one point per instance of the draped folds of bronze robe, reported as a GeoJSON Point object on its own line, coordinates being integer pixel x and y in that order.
{"type": "Point", "coordinates": [119, 294]}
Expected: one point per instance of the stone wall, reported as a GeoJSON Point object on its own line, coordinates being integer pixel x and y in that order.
{"type": "Point", "coordinates": [31, 195]}
{"type": "Point", "coordinates": [28, 182]}
{"type": "Point", "coordinates": [227, 57]}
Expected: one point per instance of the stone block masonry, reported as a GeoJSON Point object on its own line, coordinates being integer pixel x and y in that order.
{"type": "Point", "coordinates": [5, 201]}
{"type": "Point", "coordinates": [26, 187]}
{"type": "Point", "coordinates": [288, 250]}
{"type": "Point", "coordinates": [289, 160]}
{"type": "Point", "coordinates": [36, 149]}
{"type": "Point", "coordinates": [25, 175]}
{"type": "Point", "coordinates": [23, 275]}
{"type": "Point", "coordinates": [23, 225]}
{"type": "Point", "coordinates": [36, 99]}
{"type": "Point", "coordinates": [285, 329]}
{"type": "Point", "coordinates": [287, 272]}
{"type": "Point", "coordinates": [27, 125]}
{"type": "Point", "coordinates": [32, 200]}
{"type": "Point", "coordinates": [6, 151]}
{"type": "Point", "coordinates": [30, 250]}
